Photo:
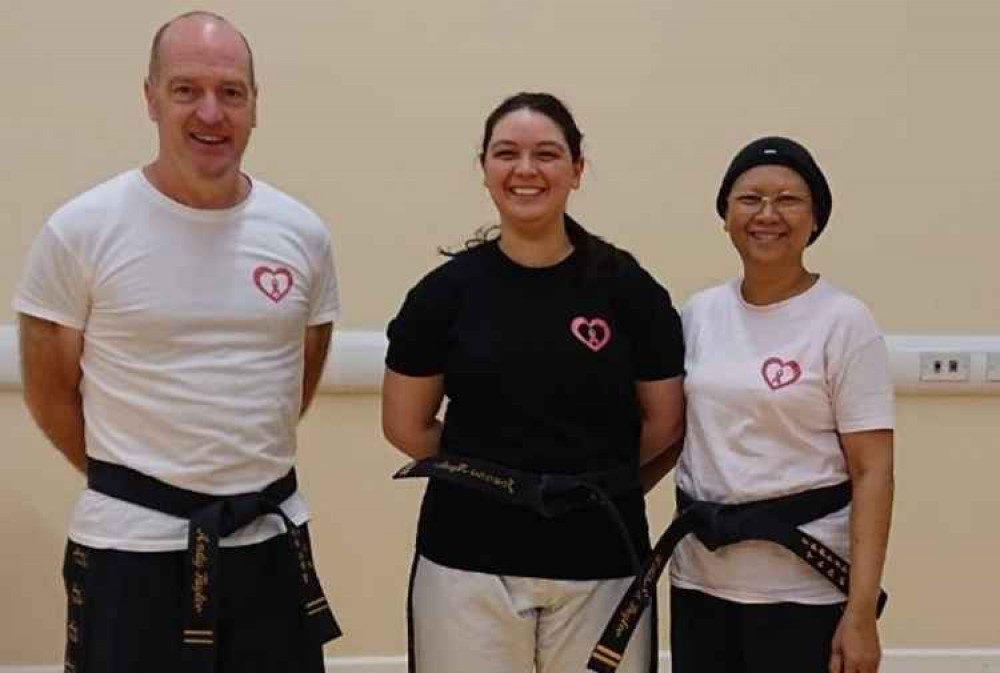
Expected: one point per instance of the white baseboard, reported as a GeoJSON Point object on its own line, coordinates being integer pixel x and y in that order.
{"type": "Point", "coordinates": [365, 664]}
{"type": "Point", "coordinates": [909, 660]}
{"type": "Point", "coordinates": [896, 661]}
{"type": "Point", "coordinates": [986, 660]}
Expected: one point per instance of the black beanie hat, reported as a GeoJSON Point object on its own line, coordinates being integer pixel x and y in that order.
{"type": "Point", "coordinates": [784, 152]}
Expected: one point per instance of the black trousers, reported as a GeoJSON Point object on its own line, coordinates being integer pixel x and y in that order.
{"type": "Point", "coordinates": [712, 635]}
{"type": "Point", "coordinates": [126, 611]}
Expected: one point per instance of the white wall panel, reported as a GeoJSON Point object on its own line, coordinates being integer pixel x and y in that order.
{"type": "Point", "coordinates": [356, 362]}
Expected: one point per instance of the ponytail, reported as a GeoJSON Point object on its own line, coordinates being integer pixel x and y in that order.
{"type": "Point", "coordinates": [599, 259]}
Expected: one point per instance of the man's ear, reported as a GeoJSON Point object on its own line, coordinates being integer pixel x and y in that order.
{"type": "Point", "coordinates": [253, 112]}
{"type": "Point", "coordinates": [151, 109]}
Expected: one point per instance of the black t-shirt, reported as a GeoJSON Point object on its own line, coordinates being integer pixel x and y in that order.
{"type": "Point", "coordinates": [540, 368]}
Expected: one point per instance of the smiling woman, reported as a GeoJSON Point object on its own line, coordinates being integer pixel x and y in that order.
{"type": "Point", "coordinates": [561, 359]}
{"type": "Point", "coordinates": [530, 172]}
{"type": "Point", "coordinates": [792, 396]}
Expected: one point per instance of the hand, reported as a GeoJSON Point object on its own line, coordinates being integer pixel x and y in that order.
{"type": "Point", "coordinates": [856, 648]}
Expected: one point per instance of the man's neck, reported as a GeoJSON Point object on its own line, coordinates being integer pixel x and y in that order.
{"type": "Point", "coordinates": [219, 194]}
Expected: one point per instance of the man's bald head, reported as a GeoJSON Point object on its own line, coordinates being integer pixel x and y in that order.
{"type": "Point", "coordinates": [154, 52]}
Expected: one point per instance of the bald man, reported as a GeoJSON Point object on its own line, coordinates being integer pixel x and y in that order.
{"type": "Point", "coordinates": [174, 325]}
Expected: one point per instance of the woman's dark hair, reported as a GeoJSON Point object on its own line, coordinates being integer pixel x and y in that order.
{"type": "Point", "coordinates": [542, 103]}
{"type": "Point", "coordinates": [597, 254]}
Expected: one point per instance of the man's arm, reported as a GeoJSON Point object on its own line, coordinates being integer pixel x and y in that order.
{"type": "Point", "coordinates": [317, 345]}
{"type": "Point", "coordinates": [51, 373]}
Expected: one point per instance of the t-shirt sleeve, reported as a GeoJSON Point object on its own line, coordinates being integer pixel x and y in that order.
{"type": "Point", "coordinates": [55, 285]}
{"type": "Point", "coordinates": [654, 327]}
{"type": "Point", "coordinates": [861, 377]}
{"type": "Point", "coordinates": [325, 294]}
{"type": "Point", "coordinates": [418, 335]}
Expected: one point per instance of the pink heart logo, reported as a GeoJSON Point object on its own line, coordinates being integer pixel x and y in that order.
{"type": "Point", "coordinates": [778, 373]}
{"type": "Point", "coordinates": [593, 333]}
{"type": "Point", "coordinates": [274, 283]}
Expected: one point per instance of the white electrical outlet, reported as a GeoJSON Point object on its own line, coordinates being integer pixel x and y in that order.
{"type": "Point", "coordinates": [945, 366]}
{"type": "Point", "coordinates": [993, 367]}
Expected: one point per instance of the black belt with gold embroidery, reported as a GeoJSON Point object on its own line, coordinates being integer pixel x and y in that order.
{"type": "Point", "coordinates": [550, 495]}
{"type": "Point", "coordinates": [212, 518]}
{"type": "Point", "coordinates": [716, 525]}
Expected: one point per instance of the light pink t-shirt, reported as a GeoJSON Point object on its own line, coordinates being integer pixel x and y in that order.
{"type": "Point", "coordinates": [768, 390]}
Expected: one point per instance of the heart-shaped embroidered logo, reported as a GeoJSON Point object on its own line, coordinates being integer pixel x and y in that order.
{"type": "Point", "coordinates": [594, 333]}
{"type": "Point", "coordinates": [778, 373]}
{"type": "Point", "coordinates": [274, 283]}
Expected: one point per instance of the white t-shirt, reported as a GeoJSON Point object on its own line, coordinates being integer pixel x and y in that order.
{"type": "Point", "coordinates": [194, 324]}
{"type": "Point", "coordinates": [768, 390]}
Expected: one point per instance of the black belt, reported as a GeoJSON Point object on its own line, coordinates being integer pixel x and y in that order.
{"type": "Point", "coordinates": [550, 495]}
{"type": "Point", "coordinates": [716, 525]}
{"type": "Point", "coordinates": [212, 518]}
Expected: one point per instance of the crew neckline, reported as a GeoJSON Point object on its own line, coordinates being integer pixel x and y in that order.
{"type": "Point", "coordinates": [517, 267]}
{"type": "Point", "coordinates": [736, 283]}
{"type": "Point", "coordinates": [199, 214]}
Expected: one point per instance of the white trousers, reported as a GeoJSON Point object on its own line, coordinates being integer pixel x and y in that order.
{"type": "Point", "coordinates": [468, 622]}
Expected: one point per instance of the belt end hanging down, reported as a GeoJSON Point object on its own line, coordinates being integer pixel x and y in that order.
{"type": "Point", "coordinates": [198, 657]}
{"type": "Point", "coordinates": [883, 598]}
{"type": "Point", "coordinates": [604, 660]}
{"type": "Point", "coordinates": [321, 620]}
{"type": "Point", "coordinates": [404, 471]}
{"type": "Point", "coordinates": [199, 637]}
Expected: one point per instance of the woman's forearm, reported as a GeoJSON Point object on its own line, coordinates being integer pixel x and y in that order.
{"type": "Point", "coordinates": [871, 515]}
{"type": "Point", "coordinates": [419, 443]}
{"type": "Point", "coordinates": [652, 471]}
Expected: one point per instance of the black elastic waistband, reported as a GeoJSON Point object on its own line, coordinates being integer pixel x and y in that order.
{"type": "Point", "coordinates": [212, 517]}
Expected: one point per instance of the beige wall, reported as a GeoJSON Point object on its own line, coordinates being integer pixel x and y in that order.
{"type": "Point", "coordinates": [371, 112]}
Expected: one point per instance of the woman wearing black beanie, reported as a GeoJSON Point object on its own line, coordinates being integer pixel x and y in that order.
{"type": "Point", "coordinates": [789, 392]}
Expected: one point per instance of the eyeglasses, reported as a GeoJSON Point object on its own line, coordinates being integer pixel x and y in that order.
{"type": "Point", "coordinates": [785, 204]}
